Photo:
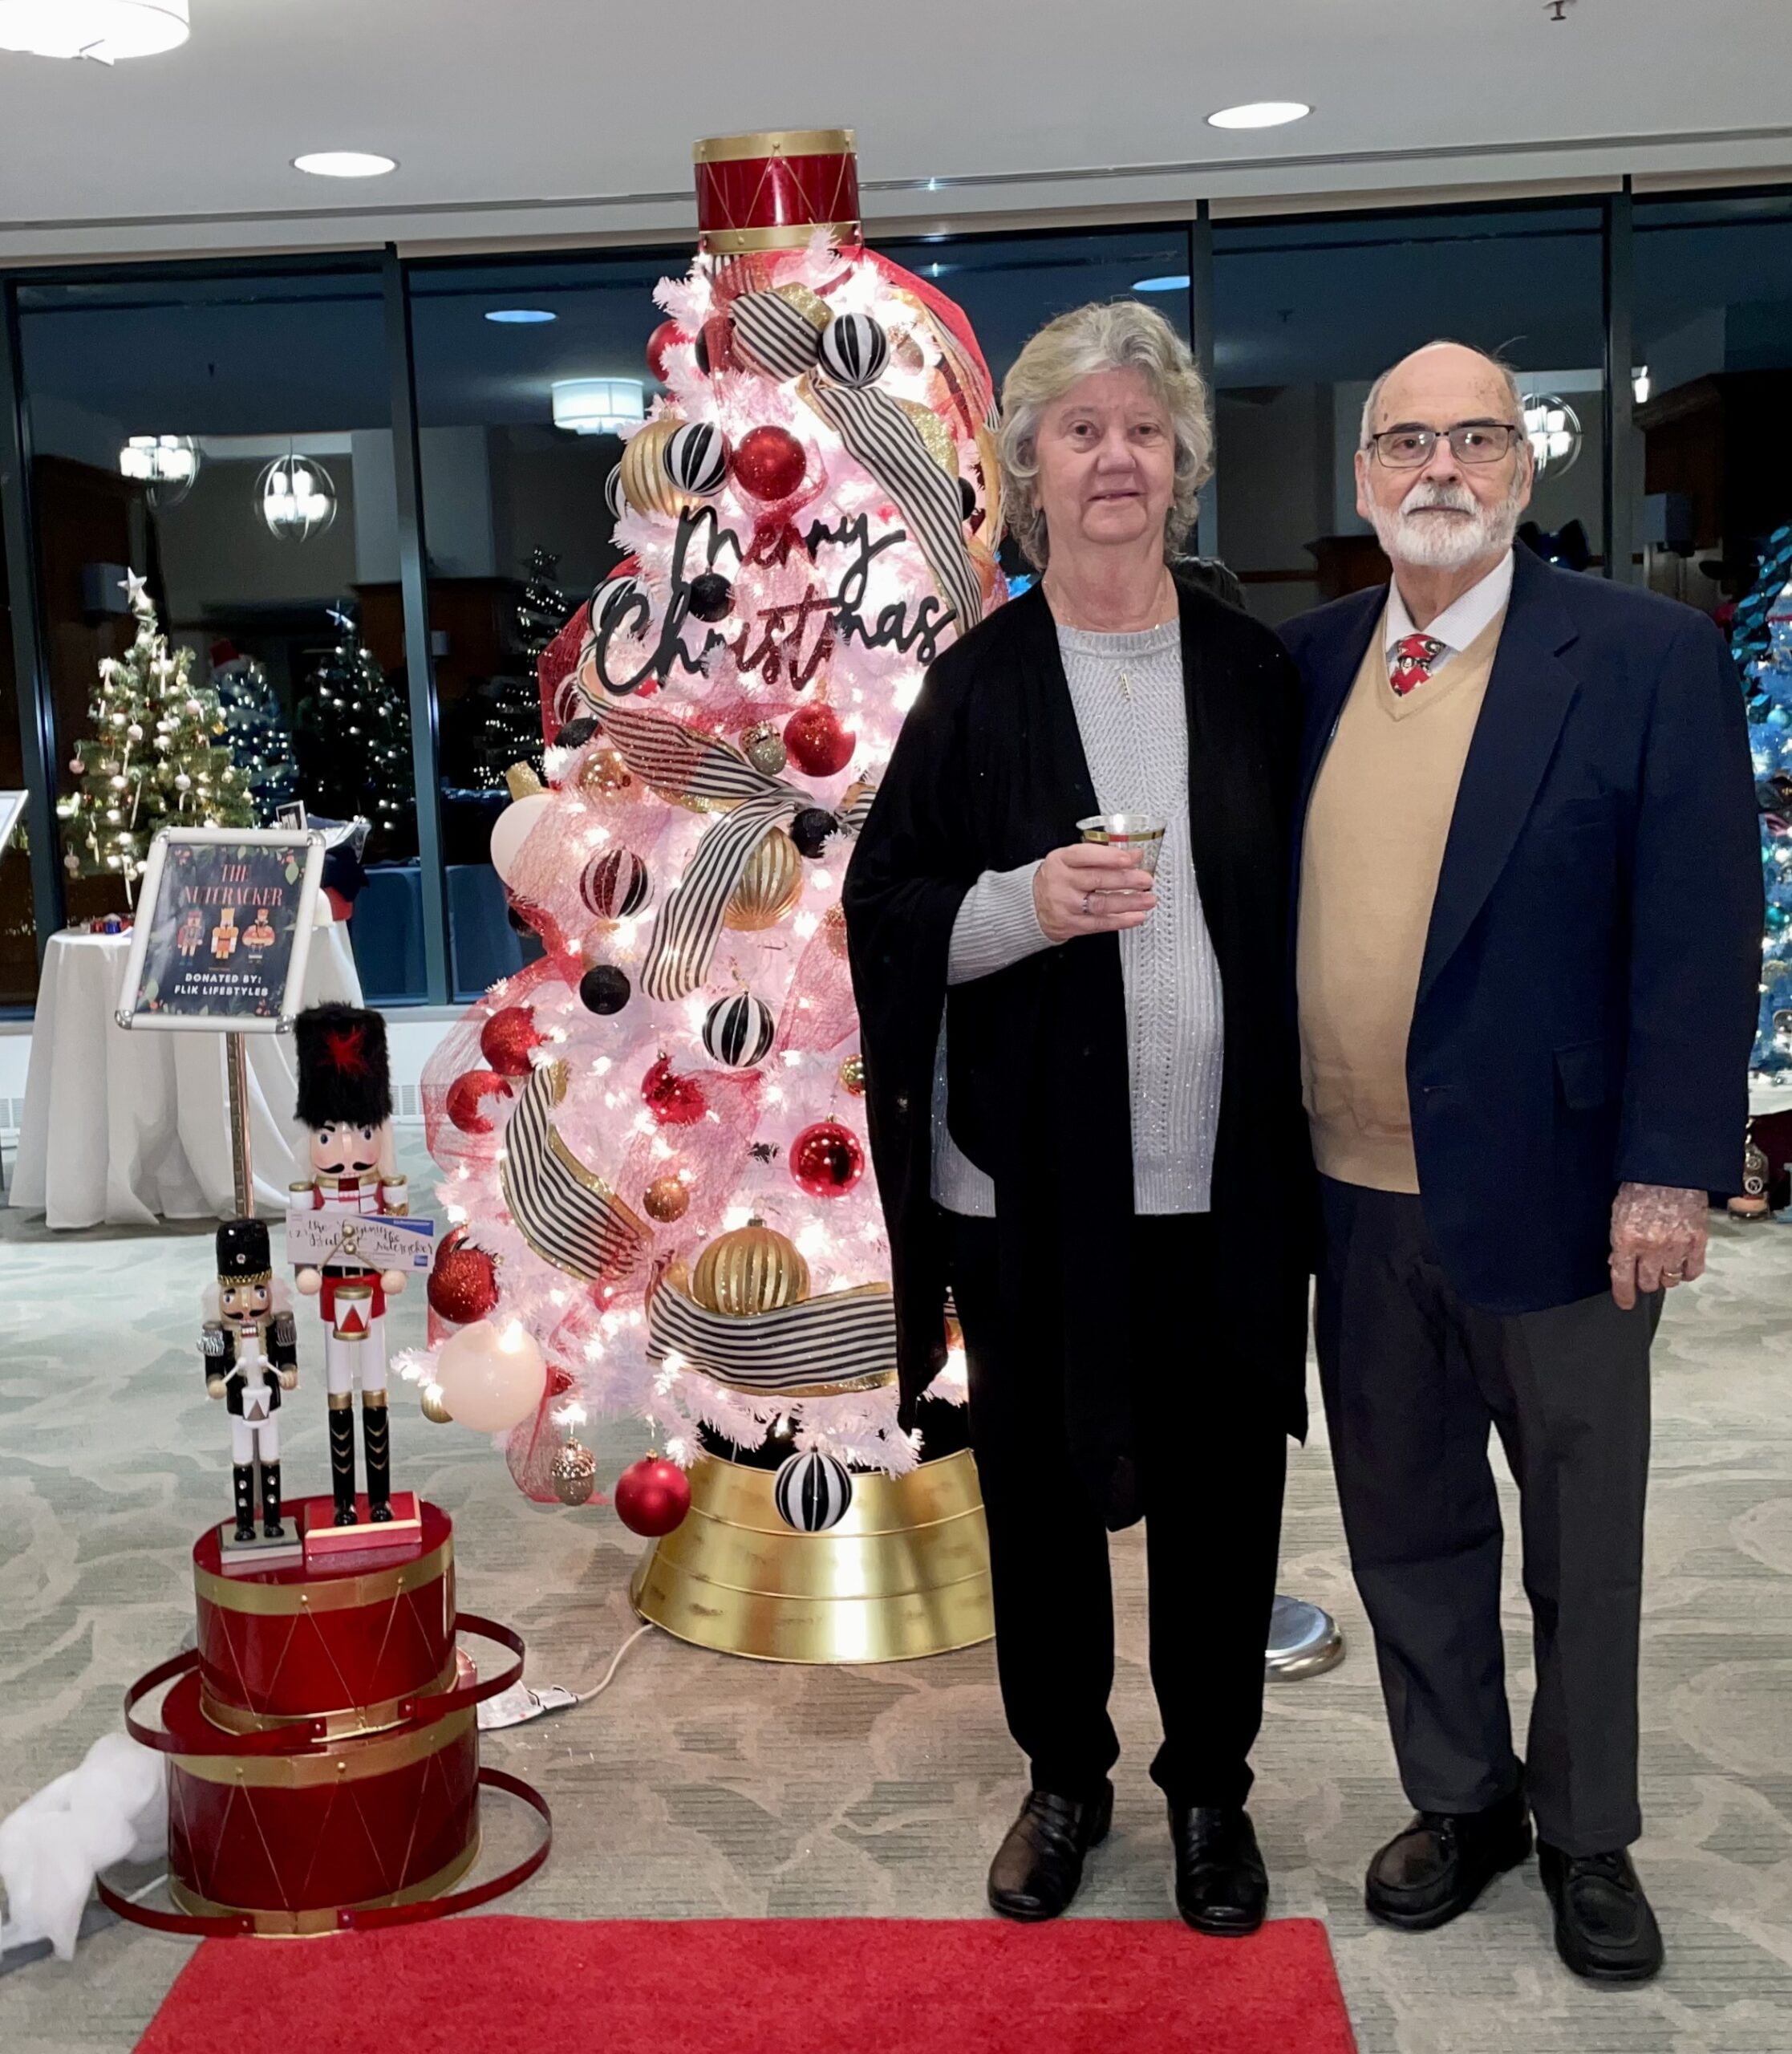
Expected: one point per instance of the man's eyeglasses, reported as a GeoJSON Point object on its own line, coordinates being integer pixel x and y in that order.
{"type": "Point", "coordinates": [1409, 448]}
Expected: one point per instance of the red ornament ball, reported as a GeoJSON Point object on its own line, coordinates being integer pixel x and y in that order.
{"type": "Point", "coordinates": [463, 1104]}
{"type": "Point", "coordinates": [770, 463]}
{"type": "Point", "coordinates": [506, 1039]}
{"type": "Point", "coordinates": [652, 1497]}
{"type": "Point", "coordinates": [674, 1101]}
{"type": "Point", "coordinates": [826, 1159]}
{"type": "Point", "coordinates": [659, 342]}
{"type": "Point", "coordinates": [816, 743]}
{"type": "Point", "coordinates": [463, 1283]}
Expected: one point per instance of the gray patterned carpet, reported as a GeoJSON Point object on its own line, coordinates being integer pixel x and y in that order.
{"type": "Point", "coordinates": [698, 1786]}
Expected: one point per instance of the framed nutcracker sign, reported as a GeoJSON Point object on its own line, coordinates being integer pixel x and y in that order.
{"type": "Point", "coordinates": [224, 928]}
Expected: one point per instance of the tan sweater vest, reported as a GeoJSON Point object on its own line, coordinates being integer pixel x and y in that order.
{"type": "Point", "coordinates": [1376, 830]}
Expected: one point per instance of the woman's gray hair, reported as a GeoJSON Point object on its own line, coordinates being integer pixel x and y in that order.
{"type": "Point", "coordinates": [1118, 334]}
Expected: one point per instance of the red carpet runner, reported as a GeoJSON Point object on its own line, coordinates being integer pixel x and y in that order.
{"type": "Point", "coordinates": [484, 1985]}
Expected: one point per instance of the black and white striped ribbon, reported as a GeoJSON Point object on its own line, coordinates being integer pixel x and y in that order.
{"type": "Point", "coordinates": [689, 921]}
{"type": "Point", "coordinates": [888, 445]}
{"type": "Point", "coordinates": [853, 817]}
{"type": "Point", "coordinates": [818, 1346]}
{"type": "Point", "coordinates": [567, 1214]}
{"type": "Point", "coordinates": [773, 336]}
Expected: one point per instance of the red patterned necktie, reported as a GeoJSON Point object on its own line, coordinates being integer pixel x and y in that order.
{"type": "Point", "coordinates": [1410, 665]}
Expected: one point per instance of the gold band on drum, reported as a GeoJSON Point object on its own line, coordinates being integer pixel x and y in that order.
{"type": "Point", "coordinates": [796, 235]}
{"type": "Point", "coordinates": [274, 1601]}
{"type": "Point", "coordinates": [324, 1919]}
{"type": "Point", "coordinates": [357, 1762]}
{"type": "Point", "coordinates": [774, 142]}
{"type": "Point", "coordinates": [344, 1721]}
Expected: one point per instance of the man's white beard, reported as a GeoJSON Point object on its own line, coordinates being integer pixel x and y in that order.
{"type": "Point", "coordinates": [1438, 544]}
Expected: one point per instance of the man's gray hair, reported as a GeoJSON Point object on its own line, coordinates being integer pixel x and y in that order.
{"type": "Point", "coordinates": [1509, 377]}
{"type": "Point", "coordinates": [1117, 335]}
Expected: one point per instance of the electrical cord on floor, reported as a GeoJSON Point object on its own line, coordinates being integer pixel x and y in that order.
{"type": "Point", "coordinates": [520, 1702]}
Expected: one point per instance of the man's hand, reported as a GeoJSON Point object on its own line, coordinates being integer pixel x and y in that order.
{"type": "Point", "coordinates": [1658, 1237]}
{"type": "Point", "coordinates": [1090, 888]}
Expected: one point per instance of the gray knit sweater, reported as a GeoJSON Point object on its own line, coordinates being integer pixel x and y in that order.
{"type": "Point", "coordinates": [1127, 690]}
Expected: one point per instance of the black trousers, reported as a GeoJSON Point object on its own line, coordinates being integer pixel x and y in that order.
{"type": "Point", "coordinates": [1212, 1461]}
{"type": "Point", "coordinates": [1414, 1378]}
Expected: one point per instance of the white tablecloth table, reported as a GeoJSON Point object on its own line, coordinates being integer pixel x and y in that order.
{"type": "Point", "coordinates": [128, 1127]}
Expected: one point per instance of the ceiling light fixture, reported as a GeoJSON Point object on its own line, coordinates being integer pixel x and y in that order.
{"type": "Point", "coordinates": [345, 164]}
{"type": "Point", "coordinates": [1170, 281]}
{"type": "Point", "coordinates": [1260, 113]}
{"type": "Point", "coordinates": [1639, 384]}
{"type": "Point", "coordinates": [597, 406]}
{"type": "Point", "coordinates": [296, 496]}
{"type": "Point", "coordinates": [166, 463]}
{"type": "Point", "coordinates": [1553, 428]}
{"type": "Point", "coordinates": [103, 29]}
{"type": "Point", "coordinates": [520, 317]}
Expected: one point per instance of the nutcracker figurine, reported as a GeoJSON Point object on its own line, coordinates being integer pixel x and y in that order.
{"type": "Point", "coordinates": [251, 1356]}
{"type": "Point", "coordinates": [344, 1097]}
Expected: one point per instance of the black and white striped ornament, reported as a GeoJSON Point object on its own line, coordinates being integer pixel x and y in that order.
{"type": "Point", "coordinates": [696, 459]}
{"type": "Point", "coordinates": [614, 598]}
{"type": "Point", "coordinates": [738, 1031]}
{"type": "Point", "coordinates": [613, 494]}
{"type": "Point", "coordinates": [813, 1492]}
{"type": "Point", "coordinates": [614, 885]}
{"type": "Point", "coordinates": [854, 349]}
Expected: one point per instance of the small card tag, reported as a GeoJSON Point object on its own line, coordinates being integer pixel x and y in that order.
{"type": "Point", "coordinates": [316, 1236]}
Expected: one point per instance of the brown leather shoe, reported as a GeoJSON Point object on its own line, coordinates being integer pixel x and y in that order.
{"type": "Point", "coordinates": [1038, 1868]}
{"type": "Point", "coordinates": [1604, 1929]}
{"type": "Point", "coordinates": [1434, 1870]}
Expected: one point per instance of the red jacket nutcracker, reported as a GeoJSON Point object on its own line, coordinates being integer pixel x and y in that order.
{"type": "Point", "coordinates": [344, 1097]}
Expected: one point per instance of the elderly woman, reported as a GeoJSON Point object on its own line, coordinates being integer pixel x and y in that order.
{"type": "Point", "coordinates": [1085, 1102]}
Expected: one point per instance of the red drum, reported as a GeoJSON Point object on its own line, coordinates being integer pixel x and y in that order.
{"type": "Point", "coordinates": [772, 191]}
{"type": "Point", "coordinates": [344, 1644]}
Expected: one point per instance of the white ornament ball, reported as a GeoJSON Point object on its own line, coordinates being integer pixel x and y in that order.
{"type": "Point", "coordinates": [491, 1377]}
{"type": "Point", "coordinates": [182, 782]}
{"type": "Point", "coordinates": [853, 349]}
{"type": "Point", "coordinates": [696, 459]}
{"type": "Point", "coordinates": [513, 827]}
{"type": "Point", "coordinates": [813, 1492]}
{"type": "Point", "coordinates": [739, 1031]}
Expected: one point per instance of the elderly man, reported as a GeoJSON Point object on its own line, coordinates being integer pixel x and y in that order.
{"type": "Point", "coordinates": [1528, 949]}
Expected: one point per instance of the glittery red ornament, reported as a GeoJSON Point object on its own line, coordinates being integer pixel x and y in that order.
{"type": "Point", "coordinates": [463, 1282]}
{"type": "Point", "coordinates": [815, 741]}
{"type": "Point", "coordinates": [462, 1104]}
{"type": "Point", "coordinates": [506, 1039]}
{"type": "Point", "coordinates": [652, 1497]}
{"type": "Point", "coordinates": [659, 342]}
{"type": "Point", "coordinates": [826, 1159]}
{"type": "Point", "coordinates": [769, 463]}
{"type": "Point", "coordinates": [674, 1101]}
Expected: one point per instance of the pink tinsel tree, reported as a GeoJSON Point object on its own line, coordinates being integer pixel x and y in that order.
{"type": "Point", "coordinates": [811, 512]}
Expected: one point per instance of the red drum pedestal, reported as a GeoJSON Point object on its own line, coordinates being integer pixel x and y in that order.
{"type": "Point", "coordinates": [323, 1743]}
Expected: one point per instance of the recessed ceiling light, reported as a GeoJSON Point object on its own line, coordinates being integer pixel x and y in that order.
{"type": "Point", "coordinates": [344, 164]}
{"type": "Point", "coordinates": [1167, 283]}
{"type": "Point", "coordinates": [520, 317]}
{"type": "Point", "coordinates": [105, 30]}
{"type": "Point", "coordinates": [1260, 113]}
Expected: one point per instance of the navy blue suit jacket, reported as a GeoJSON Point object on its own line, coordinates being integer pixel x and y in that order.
{"type": "Point", "coordinates": [1587, 997]}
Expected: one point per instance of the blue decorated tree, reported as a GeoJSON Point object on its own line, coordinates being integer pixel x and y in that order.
{"type": "Point", "coordinates": [1762, 644]}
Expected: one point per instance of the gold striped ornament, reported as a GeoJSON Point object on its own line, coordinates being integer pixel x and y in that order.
{"type": "Point", "coordinates": [753, 1269]}
{"type": "Point", "coordinates": [769, 887]}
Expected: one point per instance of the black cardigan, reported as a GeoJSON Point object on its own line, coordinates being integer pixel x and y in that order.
{"type": "Point", "coordinates": [989, 773]}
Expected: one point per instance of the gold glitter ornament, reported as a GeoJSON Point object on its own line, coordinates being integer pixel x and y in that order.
{"type": "Point", "coordinates": [645, 484]}
{"type": "Point", "coordinates": [665, 1199]}
{"type": "Point", "coordinates": [433, 1408]}
{"type": "Point", "coordinates": [753, 1269]}
{"type": "Point", "coordinates": [852, 1075]}
{"type": "Point", "coordinates": [604, 773]}
{"type": "Point", "coordinates": [574, 1473]}
{"type": "Point", "coordinates": [764, 748]}
{"type": "Point", "coordinates": [936, 435]}
{"type": "Point", "coordinates": [833, 931]}
{"type": "Point", "coordinates": [769, 887]}
{"type": "Point", "coordinates": [806, 302]}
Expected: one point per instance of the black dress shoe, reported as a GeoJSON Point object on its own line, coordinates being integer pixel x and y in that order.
{"type": "Point", "coordinates": [1038, 1867]}
{"type": "Point", "coordinates": [1222, 1886]}
{"type": "Point", "coordinates": [1435, 1870]}
{"type": "Point", "coordinates": [1604, 1929]}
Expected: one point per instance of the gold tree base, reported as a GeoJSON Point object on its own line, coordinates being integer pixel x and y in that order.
{"type": "Point", "coordinates": [904, 1573]}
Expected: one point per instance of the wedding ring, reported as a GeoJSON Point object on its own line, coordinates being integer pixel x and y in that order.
{"type": "Point", "coordinates": [1085, 903]}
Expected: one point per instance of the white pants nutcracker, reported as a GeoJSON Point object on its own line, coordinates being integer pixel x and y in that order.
{"type": "Point", "coordinates": [255, 1431]}
{"type": "Point", "coordinates": [355, 1338]}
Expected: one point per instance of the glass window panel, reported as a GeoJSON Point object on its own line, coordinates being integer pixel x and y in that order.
{"type": "Point", "coordinates": [515, 523]}
{"type": "Point", "coordinates": [18, 947]}
{"type": "Point", "coordinates": [1307, 314]}
{"type": "Point", "coordinates": [1713, 337]}
{"type": "Point", "coordinates": [276, 581]}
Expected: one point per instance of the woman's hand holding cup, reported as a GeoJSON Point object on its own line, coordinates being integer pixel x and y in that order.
{"type": "Point", "coordinates": [1091, 887]}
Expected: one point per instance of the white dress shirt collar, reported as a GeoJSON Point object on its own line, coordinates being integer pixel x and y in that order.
{"type": "Point", "coordinates": [1460, 621]}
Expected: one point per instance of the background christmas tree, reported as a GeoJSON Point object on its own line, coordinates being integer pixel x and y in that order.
{"type": "Point", "coordinates": [1762, 642]}
{"type": "Point", "coordinates": [812, 513]}
{"type": "Point", "coordinates": [158, 758]}
{"type": "Point", "coordinates": [510, 717]}
{"type": "Point", "coordinates": [357, 726]}
{"type": "Point", "coordinates": [255, 726]}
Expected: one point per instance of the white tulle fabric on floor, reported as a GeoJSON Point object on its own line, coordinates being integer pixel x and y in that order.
{"type": "Point", "coordinates": [113, 1807]}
